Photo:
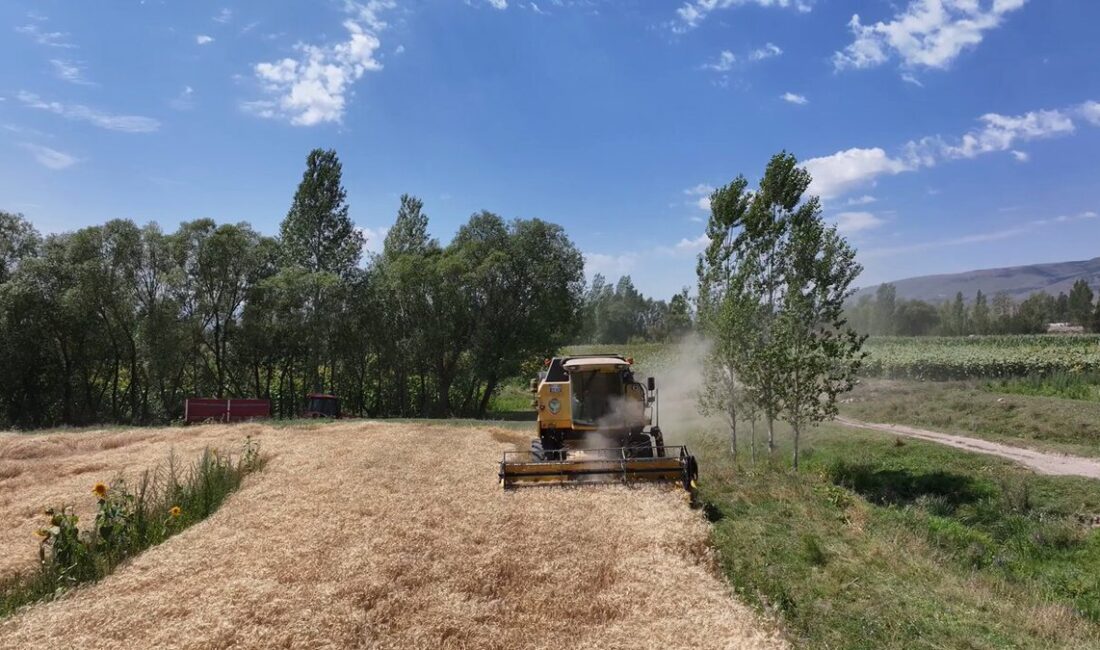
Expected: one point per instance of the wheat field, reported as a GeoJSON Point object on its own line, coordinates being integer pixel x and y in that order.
{"type": "Point", "coordinates": [374, 535]}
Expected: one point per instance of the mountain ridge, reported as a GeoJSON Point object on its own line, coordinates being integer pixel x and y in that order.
{"type": "Point", "coordinates": [1017, 281]}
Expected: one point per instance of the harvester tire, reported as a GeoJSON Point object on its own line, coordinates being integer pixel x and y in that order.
{"type": "Point", "coordinates": [537, 452]}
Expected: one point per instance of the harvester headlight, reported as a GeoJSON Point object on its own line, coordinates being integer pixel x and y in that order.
{"type": "Point", "coordinates": [554, 405]}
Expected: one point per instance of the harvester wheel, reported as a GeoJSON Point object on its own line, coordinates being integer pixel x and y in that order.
{"type": "Point", "coordinates": [537, 452]}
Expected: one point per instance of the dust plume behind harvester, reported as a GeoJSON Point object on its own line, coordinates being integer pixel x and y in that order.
{"type": "Point", "coordinates": [596, 424]}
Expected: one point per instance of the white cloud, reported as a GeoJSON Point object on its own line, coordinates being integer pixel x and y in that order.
{"type": "Point", "coordinates": [724, 63]}
{"type": "Point", "coordinates": [373, 238]}
{"type": "Point", "coordinates": [692, 13]}
{"type": "Point", "coordinates": [1020, 156]}
{"type": "Point", "coordinates": [853, 222]}
{"type": "Point", "coordinates": [535, 8]}
{"type": "Point", "coordinates": [928, 33]}
{"type": "Point", "coordinates": [836, 174]}
{"type": "Point", "coordinates": [223, 16]}
{"type": "Point", "coordinates": [908, 78]}
{"type": "Point", "coordinates": [766, 52]}
{"type": "Point", "coordinates": [1091, 112]}
{"type": "Point", "coordinates": [399, 50]}
{"type": "Point", "coordinates": [701, 196]}
{"type": "Point", "coordinates": [203, 39]}
{"type": "Point", "coordinates": [843, 171]}
{"type": "Point", "coordinates": [998, 133]}
{"type": "Point", "coordinates": [866, 199]}
{"type": "Point", "coordinates": [70, 71]}
{"type": "Point", "coordinates": [795, 99]}
{"type": "Point", "coordinates": [609, 265]}
{"type": "Point", "coordinates": [49, 39]}
{"type": "Point", "coordinates": [692, 246]}
{"type": "Point", "coordinates": [51, 158]}
{"type": "Point", "coordinates": [498, 4]}
{"type": "Point", "coordinates": [313, 88]}
{"type": "Point", "coordinates": [81, 113]}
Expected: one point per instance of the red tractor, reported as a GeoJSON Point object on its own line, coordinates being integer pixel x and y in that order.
{"type": "Point", "coordinates": [321, 405]}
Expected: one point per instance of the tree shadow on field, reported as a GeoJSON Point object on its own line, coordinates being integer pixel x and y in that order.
{"type": "Point", "coordinates": [902, 487]}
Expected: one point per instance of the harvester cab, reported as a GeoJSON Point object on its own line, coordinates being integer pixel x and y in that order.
{"type": "Point", "coordinates": [320, 405]}
{"type": "Point", "coordinates": [596, 424]}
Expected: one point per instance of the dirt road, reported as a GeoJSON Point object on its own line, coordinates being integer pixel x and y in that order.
{"type": "Point", "coordinates": [1041, 462]}
{"type": "Point", "coordinates": [379, 536]}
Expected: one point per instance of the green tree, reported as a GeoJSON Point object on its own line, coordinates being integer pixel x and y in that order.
{"type": "Point", "coordinates": [317, 233]}
{"type": "Point", "coordinates": [884, 310]}
{"type": "Point", "coordinates": [819, 354]}
{"type": "Point", "coordinates": [980, 314]}
{"type": "Point", "coordinates": [1080, 303]}
{"type": "Point", "coordinates": [18, 239]}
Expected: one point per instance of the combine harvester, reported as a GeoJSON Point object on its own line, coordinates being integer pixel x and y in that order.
{"type": "Point", "coordinates": [592, 424]}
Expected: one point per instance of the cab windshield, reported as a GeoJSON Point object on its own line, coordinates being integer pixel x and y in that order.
{"type": "Point", "coordinates": [595, 395]}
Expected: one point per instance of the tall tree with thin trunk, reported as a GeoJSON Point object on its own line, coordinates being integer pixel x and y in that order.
{"type": "Point", "coordinates": [317, 233]}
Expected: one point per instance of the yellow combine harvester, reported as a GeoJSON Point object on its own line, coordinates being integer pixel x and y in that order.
{"type": "Point", "coordinates": [596, 424]}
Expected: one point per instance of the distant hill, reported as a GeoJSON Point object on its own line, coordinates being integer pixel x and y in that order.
{"type": "Point", "coordinates": [1018, 281]}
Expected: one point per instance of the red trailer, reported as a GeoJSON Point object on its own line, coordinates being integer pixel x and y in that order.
{"type": "Point", "coordinates": [202, 409]}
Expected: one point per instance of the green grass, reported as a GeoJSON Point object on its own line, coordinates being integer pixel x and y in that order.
{"type": "Point", "coordinates": [1079, 386]}
{"type": "Point", "coordinates": [876, 545]}
{"type": "Point", "coordinates": [972, 408]}
{"type": "Point", "coordinates": [129, 519]}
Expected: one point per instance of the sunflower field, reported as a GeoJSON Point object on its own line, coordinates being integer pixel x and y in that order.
{"type": "Point", "coordinates": [981, 357]}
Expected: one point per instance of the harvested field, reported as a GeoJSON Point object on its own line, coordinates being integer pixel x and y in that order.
{"type": "Point", "coordinates": [381, 536]}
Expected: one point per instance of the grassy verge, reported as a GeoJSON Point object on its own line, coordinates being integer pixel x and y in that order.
{"type": "Point", "coordinates": [129, 519]}
{"type": "Point", "coordinates": [880, 545]}
{"type": "Point", "coordinates": [1078, 386]}
{"type": "Point", "coordinates": [971, 408]}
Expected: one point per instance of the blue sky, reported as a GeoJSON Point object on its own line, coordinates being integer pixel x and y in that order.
{"type": "Point", "coordinates": [943, 135]}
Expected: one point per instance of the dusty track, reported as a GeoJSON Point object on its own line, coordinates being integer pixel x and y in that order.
{"type": "Point", "coordinates": [381, 536]}
{"type": "Point", "coordinates": [1041, 462]}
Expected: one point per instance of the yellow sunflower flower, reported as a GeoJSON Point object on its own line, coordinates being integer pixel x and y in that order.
{"type": "Point", "coordinates": [175, 511]}
{"type": "Point", "coordinates": [100, 490]}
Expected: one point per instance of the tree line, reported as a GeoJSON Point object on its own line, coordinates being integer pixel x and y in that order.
{"type": "Point", "coordinates": [772, 286]}
{"type": "Point", "coordinates": [884, 314]}
{"type": "Point", "coordinates": [619, 313]}
{"type": "Point", "coordinates": [121, 323]}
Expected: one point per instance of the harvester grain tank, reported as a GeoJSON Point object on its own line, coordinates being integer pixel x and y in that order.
{"type": "Point", "coordinates": [596, 424]}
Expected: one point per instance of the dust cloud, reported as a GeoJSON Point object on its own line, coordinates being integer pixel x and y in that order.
{"type": "Point", "coordinates": [679, 382]}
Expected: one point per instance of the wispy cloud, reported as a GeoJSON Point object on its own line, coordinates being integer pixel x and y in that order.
{"type": "Point", "coordinates": [691, 14]}
{"type": "Point", "coordinates": [845, 170]}
{"type": "Point", "coordinates": [71, 71]}
{"type": "Point", "coordinates": [203, 39]}
{"type": "Point", "coordinates": [727, 60]}
{"type": "Point", "coordinates": [224, 15]}
{"type": "Point", "coordinates": [792, 98]}
{"type": "Point", "coordinates": [81, 113]}
{"type": "Point", "coordinates": [1006, 232]}
{"type": "Point", "coordinates": [43, 37]}
{"type": "Point", "coordinates": [700, 196]}
{"type": "Point", "coordinates": [51, 158]}
{"type": "Point", "coordinates": [866, 199]}
{"type": "Point", "coordinates": [724, 62]}
{"type": "Point", "coordinates": [312, 88]}
{"type": "Point", "coordinates": [768, 51]}
{"type": "Point", "coordinates": [928, 33]}
{"type": "Point", "coordinates": [853, 222]}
